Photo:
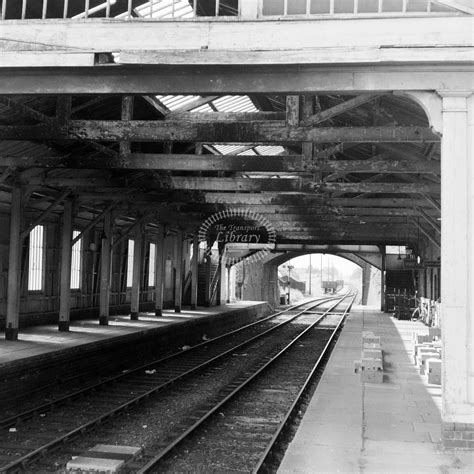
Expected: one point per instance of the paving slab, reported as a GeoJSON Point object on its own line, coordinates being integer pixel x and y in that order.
{"type": "Point", "coordinates": [392, 427]}
{"type": "Point", "coordinates": [36, 341]}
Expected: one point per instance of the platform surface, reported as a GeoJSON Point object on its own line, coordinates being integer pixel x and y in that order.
{"type": "Point", "coordinates": [392, 427]}
{"type": "Point", "coordinates": [40, 340]}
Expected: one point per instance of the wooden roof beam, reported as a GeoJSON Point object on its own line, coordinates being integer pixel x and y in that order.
{"type": "Point", "coordinates": [270, 131]}
{"type": "Point", "coordinates": [338, 109]}
{"type": "Point", "coordinates": [427, 234]}
{"type": "Point", "coordinates": [432, 222]}
{"type": "Point", "coordinates": [434, 203]}
{"type": "Point", "coordinates": [235, 163]}
{"type": "Point", "coordinates": [54, 122]}
{"type": "Point", "coordinates": [307, 212]}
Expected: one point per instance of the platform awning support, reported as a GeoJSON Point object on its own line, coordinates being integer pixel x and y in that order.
{"type": "Point", "coordinates": [105, 267]}
{"type": "Point", "coordinates": [137, 260]}
{"type": "Point", "coordinates": [14, 258]}
{"type": "Point", "coordinates": [66, 254]}
{"type": "Point", "coordinates": [366, 271]}
{"type": "Point", "coordinates": [159, 272]}
{"type": "Point", "coordinates": [178, 296]}
{"type": "Point", "coordinates": [194, 272]}
{"type": "Point", "coordinates": [382, 278]}
{"type": "Point", "coordinates": [457, 264]}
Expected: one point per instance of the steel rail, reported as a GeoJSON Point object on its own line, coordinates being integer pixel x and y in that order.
{"type": "Point", "coordinates": [264, 459]}
{"type": "Point", "coordinates": [14, 419]}
{"type": "Point", "coordinates": [162, 453]}
{"type": "Point", "coordinates": [22, 462]}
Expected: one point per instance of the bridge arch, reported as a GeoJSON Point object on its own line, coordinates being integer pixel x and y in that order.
{"type": "Point", "coordinates": [262, 280]}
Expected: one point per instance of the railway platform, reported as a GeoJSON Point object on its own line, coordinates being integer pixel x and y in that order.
{"type": "Point", "coordinates": [42, 353]}
{"type": "Point", "coordinates": [389, 427]}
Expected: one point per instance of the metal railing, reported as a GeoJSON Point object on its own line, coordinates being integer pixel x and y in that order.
{"type": "Point", "coordinates": [189, 9]}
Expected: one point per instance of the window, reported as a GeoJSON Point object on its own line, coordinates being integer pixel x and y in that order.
{"type": "Point", "coordinates": [395, 249]}
{"type": "Point", "coordinates": [131, 247]}
{"type": "Point", "coordinates": [76, 261]}
{"type": "Point", "coordinates": [151, 265]}
{"type": "Point", "coordinates": [36, 258]}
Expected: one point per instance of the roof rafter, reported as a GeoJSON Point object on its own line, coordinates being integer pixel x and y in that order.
{"type": "Point", "coordinates": [338, 109]}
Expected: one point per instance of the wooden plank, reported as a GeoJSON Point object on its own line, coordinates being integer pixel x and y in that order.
{"type": "Point", "coordinates": [234, 184]}
{"type": "Point", "coordinates": [40, 59]}
{"type": "Point", "coordinates": [434, 203]}
{"type": "Point", "coordinates": [269, 184]}
{"type": "Point", "coordinates": [431, 221]}
{"type": "Point", "coordinates": [163, 199]}
{"type": "Point", "coordinates": [388, 188]}
{"type": "Point", "coordinates": [234, 36]}
{"type": "Point", "coordinates": [126, 115]}
{"type": "Point", "coordinates": [157, 104]}
{"type": "Point", "coordinates": [292, 110]}
{"type": "Point", "coordinates": [309, 211]}
{"type": "Point", "coordinates": [339, 109]}
{"type": "Point", "coordinates": [252, 185]}
{"type": "Point", "coordinates": [90, 182]}
{"type": "Point", "coordinates": [63, 112]}
{"type": "Point", "coordinates": [26, 110]}
{"type": "Point", "coordinates": [321, 56]}
{"type": "Point", "coordinates": [269, 131]}
{"type": "Point", "coordinates": [343, 237]}
{"type": "Point", "coordinates": [237, 163]}
{"type": "Point", "coordinates": [372, 229]}
{"type": "Point", "coordinates": [427, 234]}
{"type": "Point", "coordinates": [63, 109]}
{"type": "Point", "coordinates": [224, 116]}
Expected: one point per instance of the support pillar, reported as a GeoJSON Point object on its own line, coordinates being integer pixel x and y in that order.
{"type": "Point", "coordinates": [366, 271]}
{"type": "Point", "coordinates": [194, 272]}
{"type": "Point", "coordinates": [382, 278]}
{"type": "Point", "coordinates": [159, 272]}
{"type": "Point", "coordinates": [14, 264]}
{"type": "Point", "coordinates": [457, 263]}
{"type": "Point", "coordinates": [220, 291]}
{"type": "Point", "coordinates": [228, 298]}
{"type": "Point", "coordinates": [105, 271]}
{"type": "Point", "coordinates": [137, 276]}
{"type": "Point", "coordinates": [207, 281]}
{"type": "Point", "coordinates": [421, 283]}
{"type": "Point", "coordinates": [66, 255]}
{"type": "Point", "coordinates": [178, 294]}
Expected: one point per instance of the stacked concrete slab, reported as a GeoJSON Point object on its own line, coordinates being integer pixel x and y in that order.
{"type": "Point", "coordinates": [371, 362]}
{"type": "Point", "coordinates": [427, 354]}
{"type": "Point", "coordinates": [103, 458]}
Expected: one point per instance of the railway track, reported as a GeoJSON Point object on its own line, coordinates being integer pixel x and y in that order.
{"type": "Point", "coordinates": [42, 440]}
{"type": "Point", "coordinates": [245, 427]}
